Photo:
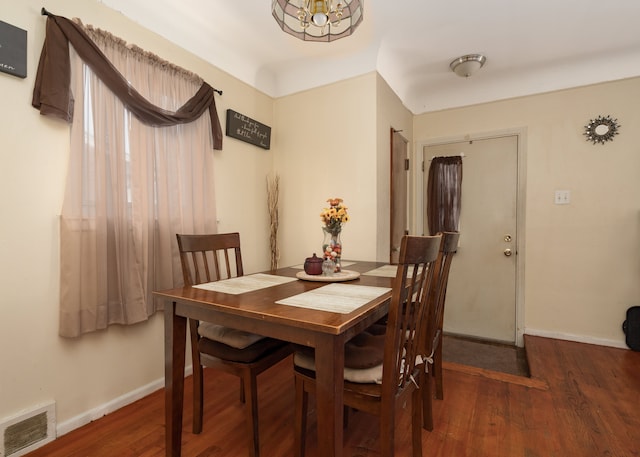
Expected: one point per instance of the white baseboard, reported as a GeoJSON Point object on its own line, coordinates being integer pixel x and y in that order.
{"type": "Point", "coordinates": [577, 338]}
{"type": "Point", "coordinates": [113, 405]}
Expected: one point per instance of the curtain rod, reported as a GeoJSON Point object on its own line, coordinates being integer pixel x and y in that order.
{"type": "Point", "coordinates": [44, 12]}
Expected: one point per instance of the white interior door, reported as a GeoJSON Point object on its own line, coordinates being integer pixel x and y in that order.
{"type": "Point", "coordinates": [481, 296]}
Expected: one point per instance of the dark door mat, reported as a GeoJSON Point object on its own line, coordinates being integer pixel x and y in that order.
{"type": "Point", "coordinates": [489, 355]}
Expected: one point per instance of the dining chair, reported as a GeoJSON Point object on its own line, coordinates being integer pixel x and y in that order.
{"type": "Point", "coordinates": [432, 334]}
{"type": "Point", "coordinates": [208, 258]}
{"type": "Point", "coordinates": [382, 370]}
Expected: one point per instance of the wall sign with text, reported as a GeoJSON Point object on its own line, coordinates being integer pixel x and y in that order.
{"type": "Point", "coordinates": [246, 129]}
{"type": "Point", "coordinates": [13, 50]}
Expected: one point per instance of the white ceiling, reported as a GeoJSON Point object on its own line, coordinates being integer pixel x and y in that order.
{"type": "Point", "coordinates": [531, 47]}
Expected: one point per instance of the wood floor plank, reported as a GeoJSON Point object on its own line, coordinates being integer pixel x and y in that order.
{"type": "Point", "coordinates": [533, 382]}
{"type": "Point", "coordinates": [583, 403]}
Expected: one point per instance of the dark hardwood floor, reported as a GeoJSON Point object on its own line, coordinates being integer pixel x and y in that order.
{"type": "Point", "coordinates": [580, 401]}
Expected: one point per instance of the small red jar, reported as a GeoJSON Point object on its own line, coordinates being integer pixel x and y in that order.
{"type": "Point", "coordinates": [313, 265]}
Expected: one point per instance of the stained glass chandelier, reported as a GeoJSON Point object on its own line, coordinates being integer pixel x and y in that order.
{"type": "Point", "coordinates": [318, 20]}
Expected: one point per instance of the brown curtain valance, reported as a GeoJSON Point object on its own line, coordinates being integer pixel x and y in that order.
{"type": "Point", "coordinates": [52, 93]}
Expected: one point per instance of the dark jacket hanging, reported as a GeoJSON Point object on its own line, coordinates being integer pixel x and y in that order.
{"type": "Point", "coordinates": [444, 194]}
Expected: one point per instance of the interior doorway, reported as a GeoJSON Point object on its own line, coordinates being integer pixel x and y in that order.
{"type": "Point", "coordinates": [399, 180]}
{"type": "Point", "coordinates": [482, 292]}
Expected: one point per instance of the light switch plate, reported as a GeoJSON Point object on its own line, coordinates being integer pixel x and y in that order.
{"type": "Point", "coordinates": [562, 197]}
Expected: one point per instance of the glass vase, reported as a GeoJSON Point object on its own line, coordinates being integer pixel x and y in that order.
{"type": "Point", "coordinates": [332, 248]}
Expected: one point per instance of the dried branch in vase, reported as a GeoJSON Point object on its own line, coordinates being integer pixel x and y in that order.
{"type": "Point", "coordinates": [273, 190]}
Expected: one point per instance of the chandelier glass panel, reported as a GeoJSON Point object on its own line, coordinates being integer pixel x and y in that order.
{"type": "Point", "coordinates": [318, 20]}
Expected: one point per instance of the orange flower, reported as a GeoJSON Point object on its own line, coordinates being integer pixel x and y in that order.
{"type": "Point", "coordinates": [334, 216]}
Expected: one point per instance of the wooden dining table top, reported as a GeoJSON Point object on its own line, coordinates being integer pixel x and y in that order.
{"type": "Point", "coordinates": [261, 304]}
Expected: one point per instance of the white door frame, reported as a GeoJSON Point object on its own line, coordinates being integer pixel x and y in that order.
{"type": "Point", "coordinates": [418, 193]}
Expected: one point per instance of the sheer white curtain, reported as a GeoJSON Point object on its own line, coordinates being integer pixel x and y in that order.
{"type": "Point", "coordinates": [130, 189]}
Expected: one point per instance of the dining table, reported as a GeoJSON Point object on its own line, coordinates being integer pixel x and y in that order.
{"type": "Point", "coordinates": [280, 305]}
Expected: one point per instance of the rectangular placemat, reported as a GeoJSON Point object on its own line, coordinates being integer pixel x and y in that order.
{"type": "Point", "coordinates": [243, 284]}
{"type": "Point", "coordinates": [336, 297]}
{"type": "Point", "coordinates": [388, 271]}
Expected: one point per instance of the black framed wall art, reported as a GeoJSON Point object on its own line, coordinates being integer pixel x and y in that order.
{"type": "Point", "coordinates": [13, 50]}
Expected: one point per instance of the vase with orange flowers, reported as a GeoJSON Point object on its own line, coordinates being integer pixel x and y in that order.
{"type": "Point", "coordinates": [333, 218]}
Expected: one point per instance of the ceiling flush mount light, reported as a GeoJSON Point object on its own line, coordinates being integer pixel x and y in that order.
{"type": "Point", "coordinates": [467, 65]}
{"type": "Point", "coordinates": [317, 20]}
{"type": "Point", "coordinates": [601, 129]}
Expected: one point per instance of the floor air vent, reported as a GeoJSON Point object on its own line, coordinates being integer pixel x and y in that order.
{"type": "Point", "coordinates": [27, 431]}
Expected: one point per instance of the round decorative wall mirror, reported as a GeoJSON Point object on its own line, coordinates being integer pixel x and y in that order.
{"type": "Point", "coordinates": [601, 129]}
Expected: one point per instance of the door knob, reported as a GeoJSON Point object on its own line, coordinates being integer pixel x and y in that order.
{"type": "Point", "coordinates": [507, 252]}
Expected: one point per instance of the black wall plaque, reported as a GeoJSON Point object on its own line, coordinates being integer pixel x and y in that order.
{"type": "Point", "coordinates": [13, 50]}
{"type": "Point", "coordinates": [246, 129]}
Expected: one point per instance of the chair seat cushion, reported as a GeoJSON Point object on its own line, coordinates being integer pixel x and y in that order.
{"type": "Point", "coordinates": [248, 354]}
{"type": "Point", "coordinates": [371, 375]}
{"type": "Point", "coordinates": [230, 336]}
{"type": "Point", "coordinates": [363, 356]}
{"type": "Point", "coordinates": [365, 350]}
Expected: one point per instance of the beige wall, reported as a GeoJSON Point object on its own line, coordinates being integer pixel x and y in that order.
{"type": "Point", "coordinates": [582, 267]}
{"type": "Point", "coordinates": [87, 376]}
{"type": "Point", "coordinates": [326, 147]}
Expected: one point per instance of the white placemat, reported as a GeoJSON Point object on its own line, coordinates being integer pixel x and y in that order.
{"type": "Point", "coordinates": [388, 271]}
{"type": "Point", "coordinates": [336, 297]}
{"type": "Point", "coordinates": [242, 284]}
